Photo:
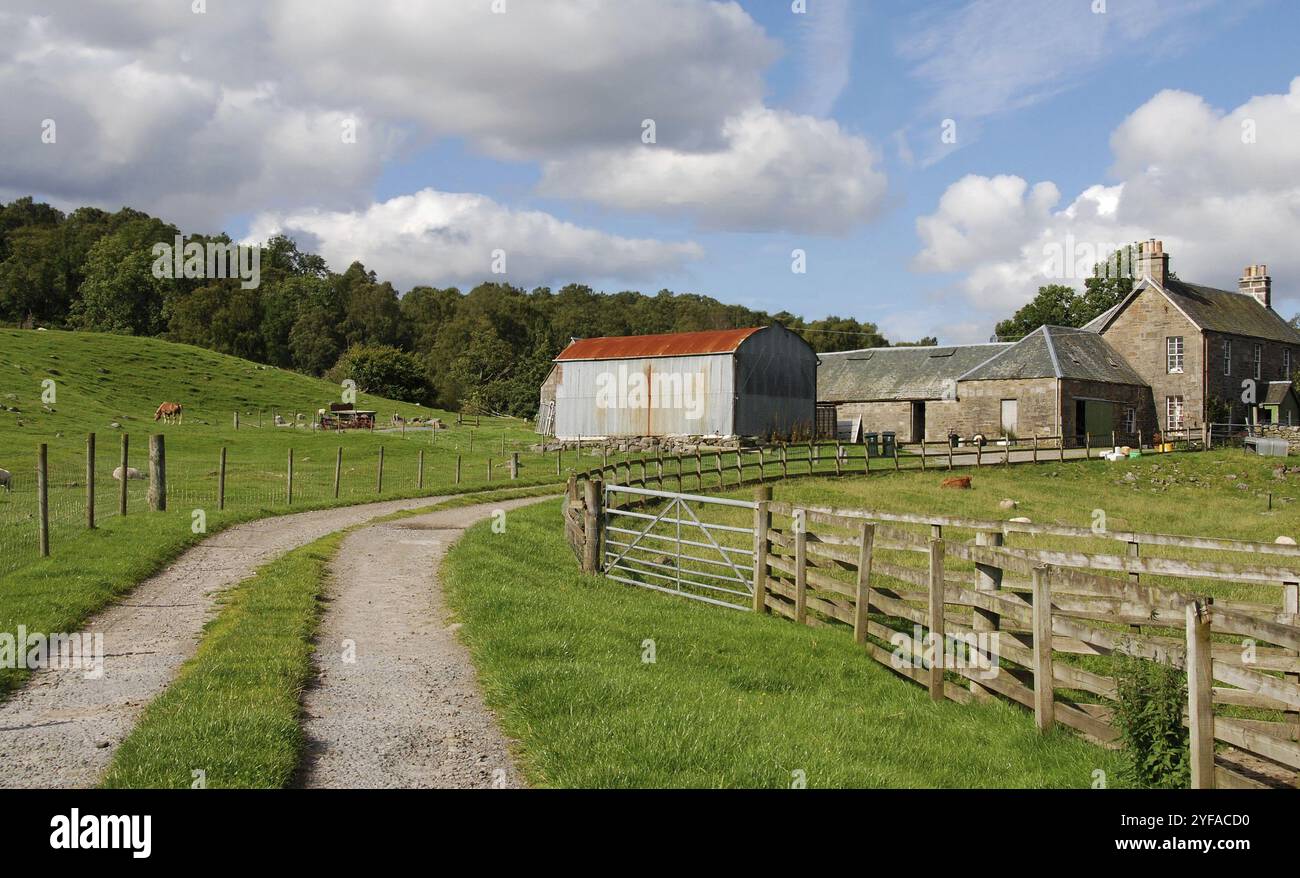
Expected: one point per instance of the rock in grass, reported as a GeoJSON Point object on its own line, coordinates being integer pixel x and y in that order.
{"type": "Point", "coordinates": [1284, 541]}
{"type": "Point", "coordinates": [1008, 504]}
{"type": "Point", "coordinates": [1022, 520]}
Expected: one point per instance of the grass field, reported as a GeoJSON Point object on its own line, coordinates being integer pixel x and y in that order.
{"type": "Point", "coordinates": [730, 700]}
{"type": "Point", "coordinates": [102, 380]}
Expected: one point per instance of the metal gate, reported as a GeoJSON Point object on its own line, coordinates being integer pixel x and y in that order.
{"type": "Point", "coordinates": [676, 549]}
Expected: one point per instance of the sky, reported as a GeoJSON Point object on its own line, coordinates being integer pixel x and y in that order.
{"type": "Point", "coordinates": [931, 163]}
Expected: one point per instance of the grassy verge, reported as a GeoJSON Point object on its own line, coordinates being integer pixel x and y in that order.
{"type": "Point", "coordinates": [731, 700]}
{"type": "Point", "coordinates": [233, 711]}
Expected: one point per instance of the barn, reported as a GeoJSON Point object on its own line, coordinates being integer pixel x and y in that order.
{"type": "Point", "coordinates": [759, 382]}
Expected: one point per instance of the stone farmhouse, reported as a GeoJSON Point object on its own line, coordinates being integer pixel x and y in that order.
{"type": "Point", "coordinates": [1171, 355]}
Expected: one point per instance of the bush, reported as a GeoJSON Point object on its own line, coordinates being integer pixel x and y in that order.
{"type": "Point", "coordinates": [1149, 715]}
{"type": "Point", "coordinates": [383, 371]}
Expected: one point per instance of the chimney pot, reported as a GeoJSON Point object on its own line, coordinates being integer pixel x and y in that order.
{"type": "Point", "coordinates": [1256, 283]}
{"type": "Point", "coordinates": [1153, 262]}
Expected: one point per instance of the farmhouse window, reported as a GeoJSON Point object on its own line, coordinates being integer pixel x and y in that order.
{"type": "Point", "coordinates": [1259, 360]}
{"type": "Point", "coordinates": [1286, 364]}
{"type": "Point", "coordinates": [1227, 357]}
{"type": "Point", "coordinates": [1173, 412]}
{"type": "Point", "coordinates": [1174, 353]}
{"type": "Point", "coordinates": [1130, 420]}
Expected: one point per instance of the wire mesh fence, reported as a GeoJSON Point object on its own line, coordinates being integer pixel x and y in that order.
{"type": "Point", "coordinates": [325, 470]}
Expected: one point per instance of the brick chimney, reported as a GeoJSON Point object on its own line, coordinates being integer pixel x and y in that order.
{"type": "Point", "coordinates": [1256, 283]}
{"type": "Point", "coordinates": [1153, 262]}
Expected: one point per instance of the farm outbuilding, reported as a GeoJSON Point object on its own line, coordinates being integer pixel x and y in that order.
{"type": "Point", "coordinates": [760, 381]}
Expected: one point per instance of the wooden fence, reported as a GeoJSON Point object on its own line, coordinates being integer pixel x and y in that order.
{"type": "Point", "coordinates": [1035, 614]}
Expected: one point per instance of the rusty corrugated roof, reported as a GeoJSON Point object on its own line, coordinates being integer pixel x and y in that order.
{"type": "Point", "coordinates": [673, 344]}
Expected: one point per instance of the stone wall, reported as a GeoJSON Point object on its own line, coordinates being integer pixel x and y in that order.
{"type": "Point", "coordinates": [980, 408]}
{"type": "Point", "coordinates": [1139, 336]}
{"type": "Point", "coordinates": [1290, 434]}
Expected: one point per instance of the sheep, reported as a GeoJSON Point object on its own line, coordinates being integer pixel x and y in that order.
{"type": "Point", "coordinates": [5, 479]}
{"type": "Point", "coordinates": [131, 473]}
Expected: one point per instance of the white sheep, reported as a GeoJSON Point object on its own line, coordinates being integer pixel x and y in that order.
{"type": "Point", "coordinates": [131, 473]}
{"type": "Point", "coordinates": [5, 478]}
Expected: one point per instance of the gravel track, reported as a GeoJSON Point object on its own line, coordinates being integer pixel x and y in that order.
{"type": "Point", "coordinates": [61, 729]}
{"type": "Point", "coordinates": [406, 710]}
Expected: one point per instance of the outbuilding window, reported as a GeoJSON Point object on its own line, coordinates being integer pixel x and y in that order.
{"type": "Point", "coordinates": [1174, 354]}
{"type": "Point", "coordinates": [1286, 364]}
{"type": "Point", "coordinates": [1259, 361]}
{"type": "Point", "coordinates": [1130, 420]}
{"type": "Point", "coordinates": [1227, 357]}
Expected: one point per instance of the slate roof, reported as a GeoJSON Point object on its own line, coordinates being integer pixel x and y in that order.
{"type": "Point", "coordinates": [1277, 392]}
{"type": "Point", "coordinates": [1217, 311]}
{"type": "Point", "coordinates": [903, 373]}
{"type": "Point", "coordinates": [1058, 352]}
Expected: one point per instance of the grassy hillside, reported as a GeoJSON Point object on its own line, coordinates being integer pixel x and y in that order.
{"type": "Point", "coordinates": [111, 385]}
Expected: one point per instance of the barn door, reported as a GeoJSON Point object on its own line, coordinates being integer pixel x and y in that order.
{"type": "Point", "coordinates": [1010, 416]}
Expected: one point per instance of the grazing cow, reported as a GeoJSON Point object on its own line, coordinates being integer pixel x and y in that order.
{"type": "Point", "coordinates": [5, 479]}
{"type": "Point", "coordinates": [168, 412]}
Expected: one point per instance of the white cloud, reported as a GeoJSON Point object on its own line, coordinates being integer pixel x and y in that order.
{"type": "Point", "coordinates": [445, 238]}
{"type": "Point", "coordinates": [777, 172]}
{"type": "Point", "coordinates": [1185, 176]}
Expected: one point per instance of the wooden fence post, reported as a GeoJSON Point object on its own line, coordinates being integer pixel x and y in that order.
{"type": "Point", "coordinates": [935, 620]}
{"type": "Point", "coordinates": [419, 472]}
{"type": "Point", "coordinates": [514, 465]}
{"type": "Point", "coordinates": [90, 480]}
{"type": "Point", "coordinates": [121, 487]}
{"type": "Point", "coordinates": [158, 473]}
{"type": "Point", "coordinates": [950, 454]}
{"type": "Point", "coordinates": [1291, 604]}
{"type": "Point", "coordinates": [988, 578]}
{"type": "Point", "coordinates": [379, 474]}
{"type": "Point", "coordinates": [557, 461]}
{"type": "Point", "coordinates": [839, 453]}
{"type": "Point", "coordinates": [801, 564]}
{"type": "Point", "coordinates": [1087, 446]}
{"type": "Point", "coordinates": [762, 522]}
{"type": "Point", "coordinates": [221, 479]}
{"type": "Point", "coordinates": [236, 420]}
{"type": "Point", "coordinates": [288, 479]}
{"type": "Point", "coordinates": [1044, 703]}
{"type": "Point", "coordinates": [489, 469]}
{"type": "Point", "coordinates": [43, 497]}
{"type": "Point", "coordinates": [1200, 694]}
{"type": "Point", "coordinates": [866, 541]}
{"type": "Point", "coordinates": [593, 493]}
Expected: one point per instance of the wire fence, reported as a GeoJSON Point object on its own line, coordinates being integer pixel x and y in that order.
{"type": "Point", "coordinates": [325, 471]}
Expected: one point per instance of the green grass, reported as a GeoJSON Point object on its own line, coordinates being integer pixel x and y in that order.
{"type": "Point", "coordinates": [233, 712]}
{"type": "Point", "coordinates": [732, 700]}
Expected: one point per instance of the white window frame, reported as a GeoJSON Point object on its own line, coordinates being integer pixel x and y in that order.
{"type": "Point", "coordinates": [1259, 361]}
{"type": "Point", "coordinates": [1130, 420]}
{"type": "Point", "coordinates": [1286, 364]}
{"type": "Point", "coordinates": [1175, 412]}
{"type": "Point", "coordinates": [1174, 352]}
{"type": "Point", "coordinates": [1227, 356]}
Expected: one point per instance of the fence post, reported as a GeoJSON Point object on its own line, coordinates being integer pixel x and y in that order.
{"type": "Point", "coordinates": [43, 496]}
{"type": "Point", "coordinates": [121, 488]}
{"type": "Point", "coordinates": [988, 578]}
{"type": "Point", "coordinates": [1087, 446]}
{"type": "Point", "coordinates": [1035, 448]}
{"type": "Point", "coordinates": [950, 454]}
{"type": "Point", "coordinates": [90, 480]}
{"type": "Point", "coordinates": [514, 465]}
{"type": "Point", "coordinates": [801, 565]}
{"type": "Point", "coordinates": [1044, 704]}
{"type": "Point", "coordinates": [839, 453]}
{"type": "Point", "coordinates": [288, 481]}
{"type": "Point", "coordinates": [593, 493]}
{"type": "Point", "coordinates": [158, 473]}
{"type": "Point", "coordinates": [489, 469]}
{"type": "Point", "coordinates": [379, 475]}
{"type": "Point", "coordinates": [1291, 604]}
{"type": "Point", "coordinates": [236, 420]}
{"type": "Point", "coordinates": [221, 480]}
{"type": "Point", "coordinates": [979, 453]}
{"type": "Point", "coordinates": [762, 522]}
{"type": "Point", "coordinates": [866, 541]}
{"type": "Point", "coordinates": [557, 467]}
{"type": "Point", "coordinates": [922, 455]}
{"type": "Point", "coordinates": [935, 619]}
{"type": "Point", "coordinates": [1200, 694]}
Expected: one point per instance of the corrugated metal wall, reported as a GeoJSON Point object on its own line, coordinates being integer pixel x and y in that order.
{"type": "Point", "coordinates": [686, 396]}
{"type": "Point", "coordinates": [777, 378]}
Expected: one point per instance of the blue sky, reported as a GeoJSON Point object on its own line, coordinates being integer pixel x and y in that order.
{"type": "Point", "coordinates": [1098, 120]}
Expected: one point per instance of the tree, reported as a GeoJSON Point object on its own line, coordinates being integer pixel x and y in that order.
{"type": "Point", "coordinates": [120, 293]}
{"type": "Point", "coordinates": [383, 371]}
{"type": "Point", "coordinates": [314, 342]}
